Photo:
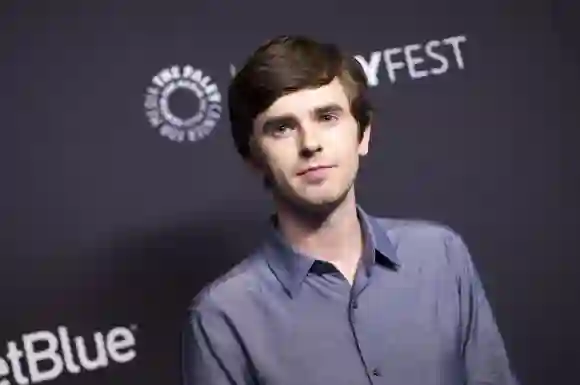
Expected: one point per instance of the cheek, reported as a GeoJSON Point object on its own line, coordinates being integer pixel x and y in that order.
{"type": "Point", "coordinates": [344, 139]}
{"type": "Point", "coordinates": [279, 159]}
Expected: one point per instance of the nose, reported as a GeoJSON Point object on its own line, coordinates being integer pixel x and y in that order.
{"type": "Point", "coordinates": [309, 142]}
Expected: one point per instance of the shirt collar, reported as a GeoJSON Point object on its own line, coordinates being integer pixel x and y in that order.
{"type": "Point", "coordinates": [291, 267]}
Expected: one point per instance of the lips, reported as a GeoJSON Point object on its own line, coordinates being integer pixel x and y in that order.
{"type": "Point", "coordinates": [312, 169]}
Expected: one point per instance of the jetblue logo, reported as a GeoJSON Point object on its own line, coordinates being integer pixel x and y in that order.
{"type": "Point", "coordinates": [47, 355]}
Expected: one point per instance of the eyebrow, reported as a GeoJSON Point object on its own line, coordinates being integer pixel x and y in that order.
{"type": "Point", "coordinates": [332, 107]}
{"type": "Point", "coordinates": [290, 118]}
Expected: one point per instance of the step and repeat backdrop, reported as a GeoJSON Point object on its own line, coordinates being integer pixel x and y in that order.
{"type": "Point", "coordinates": [122, 194]}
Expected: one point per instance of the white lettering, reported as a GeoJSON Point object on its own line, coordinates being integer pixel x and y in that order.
{"type": "Point", "coordinates": [392, 65]}
{"type": "Point", "coordinates": [48, 355]}
{"type": "Point", "coordinates": [158, 82]}
{"type": "Point", "coordinates": [175, 72]}
{"type": "Point", "coordinates": [434, 55]}
{"type": "Point", "coordinates": [202, 131]}
{"type": "Point", "coordinates": [215, 97]}
{"type": "Point", "coordinates": [208, 125]}
{"type": "Point", "coordinates": [69, 363]}
{"type": "Point", "coordinates": [33, 357]}
{"type": "Point", "coordinates": [196, 76]}
{"type": "Point", "coordinates": [187, 71]}
{"type": "Point", "coordinates": [370, 68]}
{"type": "Point", "coordinates": [150, 101]}
{"type": "Point", "coordinates": [154, 117]}
{"type": "Point", "coordinates": [172, 133]}
{"type": "Point", "coordinates": [14, 355]}
{"type": "Point", "coordinates": [120, 338]}
{"type": "Point", "coordinates": [214, 111]}
{"type": "Point", "coordinates": [153, 91]}
{"type": "Point", "coordinates": [192, 135]}
{"type": "Point", "coordinates": [413, 61]}
{"type": "Point", "coordinates": [210, 89]}
{"type": "Point", "coordinates": [100, 361]}
{"type": "Point", "coordinates": [166, 75]}
{"type": "Point", "coordinates": [4, 372]}
{"type": "Point", "coordinates": [207, 129]}
{"type": "Point", "coordinates": [454, 41]}
{"type": "Point", "coordinates": [205, 81]}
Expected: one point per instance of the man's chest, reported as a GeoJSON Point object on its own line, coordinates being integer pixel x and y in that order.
{"type": "Point", "coordinates": [397, 333]}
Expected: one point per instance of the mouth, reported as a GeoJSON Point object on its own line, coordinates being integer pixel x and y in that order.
{"type": "Point", "coordinates": [313, 169]}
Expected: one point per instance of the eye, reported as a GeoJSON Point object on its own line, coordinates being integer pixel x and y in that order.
{"type": "Point", "coordinates": [328, 117]}
{"type": "Point", "coordinates": [281, 129]}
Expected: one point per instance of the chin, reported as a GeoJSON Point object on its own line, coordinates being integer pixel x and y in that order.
{"type": "Point", "coordinates": [320, 199]}
{"type": "Point", "coordinates": [316, 202]}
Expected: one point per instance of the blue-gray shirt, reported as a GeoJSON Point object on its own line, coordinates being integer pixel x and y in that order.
{"type": "Point", "coordinates": [416, 314]}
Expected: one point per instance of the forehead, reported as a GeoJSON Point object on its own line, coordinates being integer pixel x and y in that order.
{"type": "Point", "coordinates": [305, 101]}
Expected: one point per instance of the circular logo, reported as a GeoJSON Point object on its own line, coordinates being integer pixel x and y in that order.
{"type": "Point", "coordinates": [194, 124]}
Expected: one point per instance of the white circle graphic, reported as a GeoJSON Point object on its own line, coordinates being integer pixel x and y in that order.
{"type": "Point", "coordinates": [158, 109]}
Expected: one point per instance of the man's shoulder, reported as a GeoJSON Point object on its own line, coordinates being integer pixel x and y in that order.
{"type": "Point", "coordinates": [424, 241]}
{"type": "Point", "coordinates": [230, 289]}
{"type": "Point", "coordinates": [401, 229]}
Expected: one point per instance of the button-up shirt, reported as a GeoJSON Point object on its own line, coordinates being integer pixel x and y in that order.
{"type": "Point", "coordinates": [416, 314]}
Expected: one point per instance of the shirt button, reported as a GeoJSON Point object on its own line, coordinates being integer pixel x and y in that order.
{"type": "Point", "coordinates": [376, 372]}
{"type": "Point", "coordinates": [354, 305]}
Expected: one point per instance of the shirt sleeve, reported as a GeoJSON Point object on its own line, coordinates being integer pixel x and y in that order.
{"type": "Point", "coordinates": [211, 354]}
{"type": "Point", "coordinates": [485, 358]}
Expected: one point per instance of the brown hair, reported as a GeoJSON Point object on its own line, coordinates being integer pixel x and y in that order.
{"type": "Point", "coordinates": [287, 64]}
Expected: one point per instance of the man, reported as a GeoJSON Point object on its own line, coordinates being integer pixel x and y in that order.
{"type": "Point", "coordinates": [334, 296]}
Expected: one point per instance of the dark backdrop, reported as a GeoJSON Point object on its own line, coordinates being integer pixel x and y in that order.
{"type": "Point", "coordinates": [105, 223]}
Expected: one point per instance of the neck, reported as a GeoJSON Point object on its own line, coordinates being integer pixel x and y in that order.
{"type": "Point", "coordinates": [334, 236]}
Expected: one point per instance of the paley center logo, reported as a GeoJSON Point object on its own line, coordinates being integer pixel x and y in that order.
{"type": "Point", "coordinates": [192, 123]}
{"type": "Point", "coordinates": [47, 355]}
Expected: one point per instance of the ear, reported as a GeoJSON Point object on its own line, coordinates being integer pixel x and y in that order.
{"type": "Point", "coordinates": [253, 163]}
{"type": "Point", "coordinates": [254, 158]}
{"type": "Point", "coordinates": [363, 146]}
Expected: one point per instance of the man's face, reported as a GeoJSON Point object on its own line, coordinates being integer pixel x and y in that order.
{"type": "Point", "coordinates": [307, 143]}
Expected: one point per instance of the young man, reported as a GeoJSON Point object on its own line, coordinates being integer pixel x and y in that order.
{"type": "Point", "coordinates": [334, 296]}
